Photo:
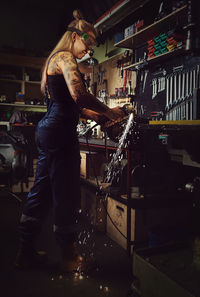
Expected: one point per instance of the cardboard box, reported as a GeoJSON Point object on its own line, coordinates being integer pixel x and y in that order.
{"type": "Point", "coordinates": [91, 163]}
{"type": "Point", "coordinates": [129, 31]}
{"type": "Point", "coordinates": [118, 213]}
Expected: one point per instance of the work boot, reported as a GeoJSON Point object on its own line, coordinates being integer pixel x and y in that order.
{"type": "Point", "coordinates": [73, 261]}
{"type": "Point", "coordinates": [28, 257]}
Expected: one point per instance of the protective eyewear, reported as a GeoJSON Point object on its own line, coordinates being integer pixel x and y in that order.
{"type": "Point", "coordinates": [86, 38]}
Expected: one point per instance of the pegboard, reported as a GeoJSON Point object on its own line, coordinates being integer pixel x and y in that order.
{"type": "Point", "coordinates": [107, 76]}
{"type": "Point", "coordinates": [163, 88]}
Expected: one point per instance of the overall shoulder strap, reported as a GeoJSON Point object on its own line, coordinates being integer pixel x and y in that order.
{"type": "Point", "coordinates": [46, 86]}
{"type": "Point", "coordinates": [52, 57]}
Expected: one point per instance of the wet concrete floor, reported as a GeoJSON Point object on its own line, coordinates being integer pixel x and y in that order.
{"type": "Point", "coordinates": [112, 275]}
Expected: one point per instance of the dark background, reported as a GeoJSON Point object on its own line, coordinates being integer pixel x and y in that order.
{"type": "Point", "coordinates": [37, 25]}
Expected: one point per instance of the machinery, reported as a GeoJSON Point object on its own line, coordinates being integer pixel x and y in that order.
{"type": "Point", "coordinates": [15, 162]}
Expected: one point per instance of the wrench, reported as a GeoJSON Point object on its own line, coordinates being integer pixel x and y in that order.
{"type": "Point", "coordinates": [167, 93]}
{"type": "Point", "coordinates": [154, 88]}
{"type": "Point", "coordinates": [191, 83]}
{"type": "Point", "coordinates": [159, 85]}
{"type": "Point", "coordinates": [144, 81]}
{"type": "Point", "coordinates": [171, 91]}
{"type": "Point", "coordinates": [175, 89]}
{"type": "Point", "coordinates": [164, 83]}
{"type": "Point", "coordinates": [191, 110]}
{"type": "Point", "coordinates": [179, 112]}
{"type": "Point", "coordinates": [194, 79]}
{"type": "Point", "coordinates": [183, 87]}
{"type": "Point", "coordinates": [187, 86]}
{"type": "Point", "coordinates": [184, 111]}
{"type": "Point", "coordinates": [179, 87]}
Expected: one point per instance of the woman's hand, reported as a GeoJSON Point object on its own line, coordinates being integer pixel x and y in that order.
{"type": "Point", "coordinates": [95, 116]}
{"type": "Point", "coordinates": [116, 113]}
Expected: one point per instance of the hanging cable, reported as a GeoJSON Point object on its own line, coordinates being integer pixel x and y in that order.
{"type": "Point", "coordinates": [97, 181]}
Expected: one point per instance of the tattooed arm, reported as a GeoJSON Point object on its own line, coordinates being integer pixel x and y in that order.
{"type": "Point", "coordinates": [93, 115]}
{"type": "Point", "coordinates": [65, 63]}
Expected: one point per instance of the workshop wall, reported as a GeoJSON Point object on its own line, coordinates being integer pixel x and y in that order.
{"type": "Point", "coordinates": [108, 76]}
{"type": "Point", "coordinates": [107, 50]}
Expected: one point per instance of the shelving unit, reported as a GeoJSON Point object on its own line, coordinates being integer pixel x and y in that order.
{"type": "Point", "coordinates": [160, 58]}
{"type": "Point", "coordinates": [20, 81]}
{"type": "Point", "coordinates": [11, 80]}
{"type": "Point", "coordinates": [150, 31]}
{"type": "Point", "coordinates": [32, 82]}
{"type": "Point", "coordinates": [21, 61]}
{"type": "Point", "coordinates": [14, 76]}
{"type": "Point", "coordinates": [27, 107]}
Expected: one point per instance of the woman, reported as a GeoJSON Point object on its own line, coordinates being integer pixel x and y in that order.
{"type": "Point", "coordinates": [58, 173]}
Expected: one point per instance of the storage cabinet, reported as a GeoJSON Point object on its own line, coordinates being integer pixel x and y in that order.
{"type": "Point", "coordinates": [17, 83]}
{"type": "Point", "coordinates": [20, 77]}
{"type": "Point", "coordinates": [20, 74]}
{"type": "Point", "coordinates": [135, 41]}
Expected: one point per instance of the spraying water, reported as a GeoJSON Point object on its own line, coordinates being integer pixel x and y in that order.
{"type": "Point", "coordinates": [84, 237]}
{"type": "Point", "coordinates": [114, 165]}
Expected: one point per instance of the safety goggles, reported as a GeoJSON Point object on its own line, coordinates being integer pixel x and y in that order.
{"type": "Point", "coordinates": [86, 38]}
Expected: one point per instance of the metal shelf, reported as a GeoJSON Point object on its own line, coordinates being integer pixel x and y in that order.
{"type": "Point", "coordinates": [39, 108]}
{"type": "Point", "coordinates": [11, 80]}
{"type": "Point", "coordinates": [155, 59]}
{"type": "Point", "coordinates": [152, 30]}
{"type": "Point", "coordinates": [32, 82]}
{"type": "Point", "coordinates": [19, 81]}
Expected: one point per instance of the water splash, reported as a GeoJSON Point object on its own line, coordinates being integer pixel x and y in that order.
{"type": "Point", "coordinates": [115, 164]}
{"type": "Point", "coordinates": [85, 238]}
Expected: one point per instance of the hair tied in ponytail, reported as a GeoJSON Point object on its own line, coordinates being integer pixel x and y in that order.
{"type": "Point", "coordinates": [77, 14]}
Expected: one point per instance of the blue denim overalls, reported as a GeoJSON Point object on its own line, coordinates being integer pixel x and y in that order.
{"type": "Point", "coordinates": [57, 178]}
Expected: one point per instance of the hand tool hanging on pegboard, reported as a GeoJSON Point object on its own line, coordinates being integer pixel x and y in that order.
{"type": "Point", "coordinates": [167, 94]}
{"type": "Point", "coordinates": [182, 97]}
{"type": "Point", "coordinates": [122, 70]}
{"type": "Point", "coordinates": [130, 90]}
{"type": "Point", "coordinates": [100, 74]}
{"type": "Point", "coordinates": [119, 67]}
{"type": "Point", "coordinates": [126, 78]}
{"type": "Point", "coordinates": [144, 80]}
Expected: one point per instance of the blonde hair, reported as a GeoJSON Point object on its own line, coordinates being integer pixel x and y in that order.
{"type": "Point", "coordinates": [65, 43]}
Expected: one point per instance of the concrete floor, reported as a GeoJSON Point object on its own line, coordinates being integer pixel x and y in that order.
{"type": "Point", "coordinates": [111, 277]}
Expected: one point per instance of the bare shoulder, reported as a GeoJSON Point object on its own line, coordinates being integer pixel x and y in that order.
{"type": "Point", "coordinates": [60, 61]}
{"type": "Point", "coordinates": [63, 55]}
{"type": "Point", "coordinates": [66, 59]}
